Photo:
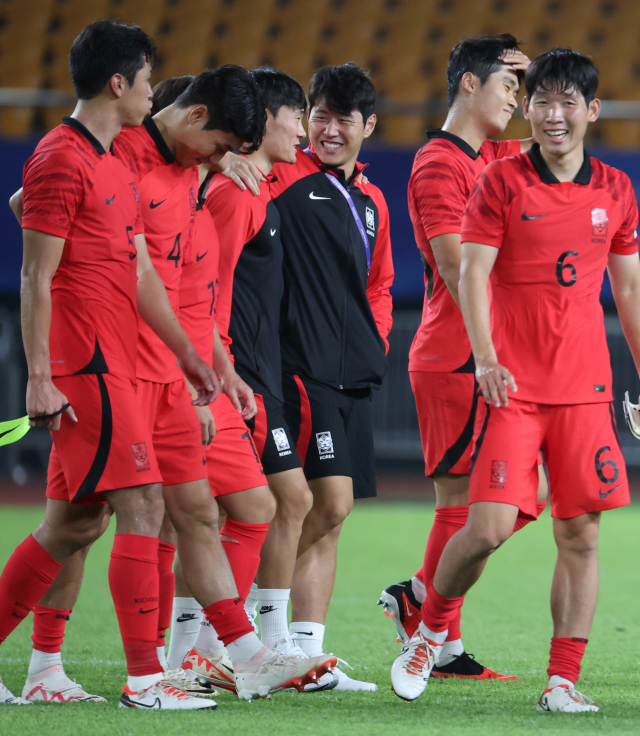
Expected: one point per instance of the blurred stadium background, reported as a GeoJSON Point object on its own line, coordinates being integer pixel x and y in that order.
{"type": "Point", "coordinates": [404, 44]}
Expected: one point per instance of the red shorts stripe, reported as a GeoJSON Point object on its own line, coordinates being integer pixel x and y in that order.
{"type": "Point", "coordinates": [305, 421]}
{"type": "Point", "coordinates": [260, 426]}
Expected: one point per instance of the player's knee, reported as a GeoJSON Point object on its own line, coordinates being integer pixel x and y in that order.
{"type": "Point", "coordinates": [488, 540]}
{"type": "Point", "coordinates": [294, 507]}
{"type": "Point", "coordinates": [336, 512]}
{"type": "Point", "coordinates": [267, 509]}
{"type": "Point", "coordinates": [576, 537]}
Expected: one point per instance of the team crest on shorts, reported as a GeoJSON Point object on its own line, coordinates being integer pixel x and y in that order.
{"type": "Point", "coordinates": [499, 472]}
{"type": "Point", "coordinates": [599, 221]}
{"type": "Point", "coordinates": [281, 439]}
{"type": "Point", "coordinates": [325, 445]}
{"type": "Point", "coordinates": [140, 455]}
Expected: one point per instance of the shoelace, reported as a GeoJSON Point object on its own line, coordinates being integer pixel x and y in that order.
{"type": "Point", "coordinates": [171, 690]}
{"type": "Point", "coordinates": [291, 640]}
{"type": "Point", "coordinates": [577, 696]}
{"type": "Point", "coordinates": [415, 666]}
{"type": "Point", "coordinates": [179, 675]}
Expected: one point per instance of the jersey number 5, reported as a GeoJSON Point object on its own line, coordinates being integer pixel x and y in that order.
{"type": "Point", "coordinates": [561, 267]}
{"type": "Point", "coordinates": [175, 251]}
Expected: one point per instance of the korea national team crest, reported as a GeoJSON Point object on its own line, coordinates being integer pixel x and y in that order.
{"type": "Point", "coordinates": [141, 456]}
{"type": "Point", "coordinates": [498, 472]}
{"type": "Point", "coordinates": [325, 445]}
{"type": "Point", "coordinates": [599, 222]}
{"type": "Point", "coordinates": [371, 220]}
{"type": "Point", "coordinates": [282, 441]}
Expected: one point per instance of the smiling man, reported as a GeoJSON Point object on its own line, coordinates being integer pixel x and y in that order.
{"type": "Point", "coordinates": [542, 227]}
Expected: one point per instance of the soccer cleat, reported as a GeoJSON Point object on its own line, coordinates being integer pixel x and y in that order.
{"type": "Point", "coordinates": [410, 672]}
{"type": "Point", "coordinates": [342, 681]}
{"type": "Point", "coordinates": [403, 608]}
{"type": "Point", "coordinates": [565, 699]}
{"type": "Point", "coordinates": [163, 696]}
{"type": "Point", "coordinates": [289, 647]}
{"type": "Point", "coordinates": [632, 415]}
{"type": "Point", "coordinates": [216, 669]}
{"type": "Point", "coordinates": [188, 681]}
{"type": "Point", "coordinates": [8, 698]}
{"type": "Point", "coordinates": [465, 666]}
{"type": "Point", "coordinates": [53, 686]}
{"type": "Point", "coordinates": [270, 671]}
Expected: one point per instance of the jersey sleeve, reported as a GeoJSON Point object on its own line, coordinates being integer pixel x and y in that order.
{"type": "Point", "coordinates": [233, 216]}
{"type": "Point", "coordinates": [53, 190]}
{"type": "Point", "coordinates": [439, 193]}
{"type": "Point", "coordinates": [381, 273]}
{"type": "Point", "coordinates": [625, 241]}
{"type": "Point", "coordinates": [485, 214]}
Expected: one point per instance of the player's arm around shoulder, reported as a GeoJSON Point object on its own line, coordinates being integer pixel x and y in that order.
{"type": "Point", "coordinates": [381, 273]}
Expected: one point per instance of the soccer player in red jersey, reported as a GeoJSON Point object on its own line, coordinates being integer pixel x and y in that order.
{"type": "Point", "coordinates": [483, 76]}
{"type": "Point", "coordinates": [84, 283]}
{"type": "Point", "coordinates": [541, 227]}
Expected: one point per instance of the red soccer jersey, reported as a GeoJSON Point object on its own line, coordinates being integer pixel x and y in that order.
{"type": "Point", "coordinates": [199, 281]}
{"type": "Point", "coordinates": [74, 189]}
{"type": "Point", "coordinates": [554, 240]}
{"type": "Point", "coordinates": [168, 194]}
{"type": "Point", "coordinates": [444, 172]}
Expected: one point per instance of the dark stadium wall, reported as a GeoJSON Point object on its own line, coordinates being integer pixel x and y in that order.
{"type": "Point", "coordinates": [388, 168]}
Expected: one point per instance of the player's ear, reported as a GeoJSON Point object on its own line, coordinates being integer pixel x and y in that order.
{"type": "Point", "coordinates": [116, 85]}
{"type": "Point", "coordinates": [469, 82]}
{"type": "Point", "coordinates": [370, 125]}
{"type": "Point", "coordinates": [594, 111]}
{"type": "Point", "coordinates": [197, 114]}
{"type": "Point", "coordinates": [525, 107]}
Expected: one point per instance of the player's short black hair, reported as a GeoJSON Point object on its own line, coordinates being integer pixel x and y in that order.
{"type": "Point", "coordinates": [233, 102]}
{"type": "Point", "coordinates": [480, 56]}
{"type": "Point", "coordinates": [278, 90]}
{"type": "Point", "coordinates": [105, 48]}
{"type": "Point", "coordinates": [344, 89]}
{"type": "Point", "coordinates": [562, 70]}
{"type": "Point", "coordinates": [167, 91]}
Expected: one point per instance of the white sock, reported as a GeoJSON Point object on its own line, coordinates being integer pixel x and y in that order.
{"type": "Point", "coordinates": [437, 637]}
{"type": "Point", "coordinates": [310, 637]}
{"type": "Point", "coordinates": [250, 606]}
{"type": "Point", "coordinates": [185, 625]}
{"type": "Point", "coordinates": [245, 648]}
{"type": "Point", "coordinates": [207, 640]}
{"type": "Point", "coordinates": [43, 660]}
{"type": "Point", "coordinates": [420, 592]}
{"type": "Point", "coordinates": [450, 650]}
{"type": "Point", "coordinates": [162, 657]}
{"type": "Point", "coordinates": [274, 605]}
{"type": "Point", "coordinates": [556, 680]}
{"type": "Point", "coordinates": [142, 682]}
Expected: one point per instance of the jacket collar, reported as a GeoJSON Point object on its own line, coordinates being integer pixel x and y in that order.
{"type": "Point", "coordinates": [339, 173]}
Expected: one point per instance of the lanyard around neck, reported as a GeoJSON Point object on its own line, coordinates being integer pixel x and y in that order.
{"type": "Point", "coordinates": [354, 212]}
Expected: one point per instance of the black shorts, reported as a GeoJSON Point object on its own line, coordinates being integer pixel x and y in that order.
{"type": "Point", "coordinates": [332, 430]}
{"type": "Point", "coordinates": [271, 435]}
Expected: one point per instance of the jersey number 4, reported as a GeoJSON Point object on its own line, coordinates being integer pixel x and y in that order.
{"type": "Point", "coordinates": [175, 251]}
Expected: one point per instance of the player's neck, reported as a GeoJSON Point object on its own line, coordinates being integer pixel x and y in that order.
{"type": "Point", "coordinates": [163, 120]}
{"type": "Point", "coordinates": [463, 125]}
{"type": "Point", "coordinates": [262, 160]}
{"type": "Point", "coordinates": [100, 119]}
{"type": "Point", "coordinates": [564, 167]}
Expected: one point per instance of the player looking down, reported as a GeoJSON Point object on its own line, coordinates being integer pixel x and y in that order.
{"type": "Point", "coordinates": [541, 227]}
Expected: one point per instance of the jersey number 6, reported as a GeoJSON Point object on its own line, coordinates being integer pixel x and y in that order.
{"type": "Point", "coordinates": [561, 267]}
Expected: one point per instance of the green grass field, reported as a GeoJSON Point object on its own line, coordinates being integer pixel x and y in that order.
{"type": "Point", "coordinates": [506, 624]}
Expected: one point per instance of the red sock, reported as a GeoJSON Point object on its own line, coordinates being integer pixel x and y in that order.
{"type": "Point", "coordinates": [448, 520]}
{"type": "Point", "coordinates": [48, 628]}
{"type": "Point", "coordinates": [437, 611]}
{"type": "Point", "coordinates": [133, 580]}
{"type": "Point", "coordinates": [229, 619]}
{"type": "Point", "coordinates": [244, 552]}
{"type": "Point", "coordinates": [166, 555]}
{"type": "Point", "coordinates": [26, 577]}
{"type": "Point", "coordinates": [521, 522]}
{"type": "Point", "coordinates": [566, 657]}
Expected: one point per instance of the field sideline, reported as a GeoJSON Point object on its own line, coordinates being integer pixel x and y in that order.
{"type": "Point", "coordinates": [506, 624]}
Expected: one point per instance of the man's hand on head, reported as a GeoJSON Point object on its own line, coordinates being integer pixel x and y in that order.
{"type": "Point", "coordinates": [516, 59]}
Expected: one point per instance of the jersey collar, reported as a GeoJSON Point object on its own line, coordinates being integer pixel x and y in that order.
{"type": "Point", "coordinates": [77, 125]}
{"type": "Point", "coordinates": [156, 136]}
{"type": "Point", "coordinates": [548, 177]}
{"type": "Point", "coordinates": [456, 140]}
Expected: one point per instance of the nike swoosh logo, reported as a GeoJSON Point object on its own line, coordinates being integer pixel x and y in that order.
{"type": "Point", "coordinates": [313, 196]}
{"type": "Point", "coordinates": [229, 669]}
{"type": "Point", "coordinates": [199, 258]}
{"type": "Point", "coordinates": [525, 216]}
{"type": "Point", "coordinates": [186, 617]}
{"type": "Point", "coordinates": [132, 256]}
{"type": "Point", "coordinates": [603, 495]}
{"type": "Point", "coordinates": [153, 204]}
{"type": "Point", "coordinates": [8, 431]}
{"type": "Point", "coordinates": [306, 633]}
{"type": "Point", "coordinates": [109, 201]}
{"type": "Point", "coordinates": [267, 609]}
{"type": "Point", "coordinates": [273, 232]}
{"type": "Point", "coordinates": [20, 617]}
{"type": "Point", "coordinates": [151, 610]}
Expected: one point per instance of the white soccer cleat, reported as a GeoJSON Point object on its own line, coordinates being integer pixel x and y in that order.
{"type": "Point", "coordinates": [215, 667]}
{"type": "Point", "coordinates": [269, 671]}
{"type": "Point", "coordinates": [412, 668]}
{"type": "Point", "coordinates": [163, 696]}
{"type": "Point", "coordinates": [289, 646]}
{"type": "Point", "coordinates": [632, 415]}
{"type": "Point", "coordinates": [8, 698]}
{"type": "Point", "coordinates": [339, 680]}
{"type": "Point", "coordinates": [565, 699]}
{"type": "Point", "coordinates": [187, 680]}
{"type": "Point", "coordinates": [53, 686]}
